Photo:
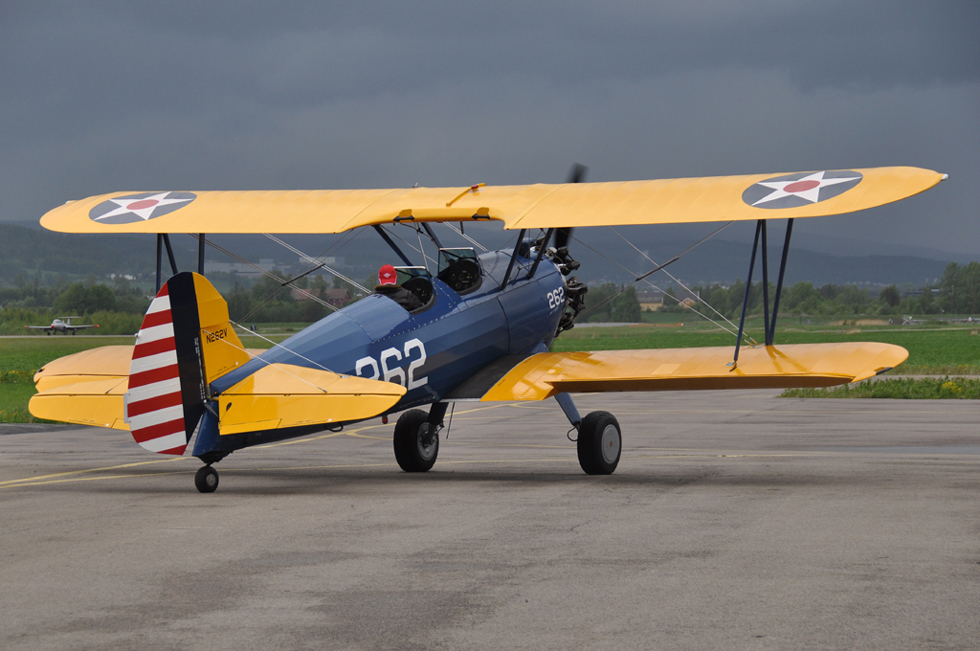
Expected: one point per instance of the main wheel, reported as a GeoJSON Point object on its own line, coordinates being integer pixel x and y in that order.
{"type": "Point", "coordinates": [600, 442]}
{"type": "Point", "coordinates": [416, 441]}
{"type": "Point", "coordinates": [206, 479]}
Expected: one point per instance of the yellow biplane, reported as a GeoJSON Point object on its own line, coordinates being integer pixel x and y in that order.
{"type": "Point", "coordinates": [472, 326]}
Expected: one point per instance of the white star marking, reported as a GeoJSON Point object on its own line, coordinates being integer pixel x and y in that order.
{"type": "Point", "coordinates": [144, 213]}
{"type": "Point", "coordinates": [808, 191]}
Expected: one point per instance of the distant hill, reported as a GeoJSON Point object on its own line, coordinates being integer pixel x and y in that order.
{"type": "Point", "coordinates": [724, 262]}
{"type": "Point", "coordinates": [30, 250]}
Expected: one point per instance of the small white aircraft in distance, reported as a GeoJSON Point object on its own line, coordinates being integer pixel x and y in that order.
{"type": "Point", "coordinates": [63, 325]}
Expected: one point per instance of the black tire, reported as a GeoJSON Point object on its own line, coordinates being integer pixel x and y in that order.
{"type": "Point", "coordinates": [415, 448]}
{"type": "Point", "coordinates": [206, 479]}
{"type": "Point", "coordinates": [600, 442]}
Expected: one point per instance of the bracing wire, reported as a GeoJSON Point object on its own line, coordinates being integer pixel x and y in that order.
{"type": "Point", "coordinates": [316, 264]}
{"type": "Point", "coordinates": [679, 255]}
{"type": "Point", "coordinates": [649, 282]}
{"type": "Point", "coordinates": [268, 274]}
{"type": "Point", "coordinates": [467, 237]}
{"type": "Point", "coordinates": [410, 245]}
{"type": "Point", "coordinates": [268, 363]}
{"type": "Point", "coordinates": [418, 232]}
{"type": "Point", "coordinates": [278, 345]}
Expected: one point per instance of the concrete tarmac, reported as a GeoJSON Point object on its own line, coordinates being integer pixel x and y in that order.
{"type": "Point", "coordinates": [735, 520]}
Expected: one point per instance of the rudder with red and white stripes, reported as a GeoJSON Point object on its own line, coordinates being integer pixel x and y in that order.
{"type": "Point", "coordinates": [165, 400]}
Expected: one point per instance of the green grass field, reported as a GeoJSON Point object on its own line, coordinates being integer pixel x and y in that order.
{"type": "Point", "coordinates": [934, 351]}
{"type": "Point", "coordinates": [901, 388]}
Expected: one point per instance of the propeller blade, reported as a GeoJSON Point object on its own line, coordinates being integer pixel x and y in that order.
{"type": "Point", "coordinates": [562, 236]}
{"type": "Point", "coordinates": [576, 175]}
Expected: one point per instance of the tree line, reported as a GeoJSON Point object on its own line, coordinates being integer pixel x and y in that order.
{"type": "Point", "coordinates": [958, 292]}
{"type": "Point", "coordinates": [119, 307]}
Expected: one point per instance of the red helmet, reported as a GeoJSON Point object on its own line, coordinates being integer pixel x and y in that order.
{"type": "Point", "coordinates": [387, 275]}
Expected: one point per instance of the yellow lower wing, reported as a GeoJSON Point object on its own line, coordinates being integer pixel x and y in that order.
{"type": "Point", "coordinates": [92, 401]}
{"type": "Point", "coordinates": [683, 369]}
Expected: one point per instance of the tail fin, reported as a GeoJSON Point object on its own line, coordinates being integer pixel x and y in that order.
{"type": "Point", "coordinates": [185, 342]}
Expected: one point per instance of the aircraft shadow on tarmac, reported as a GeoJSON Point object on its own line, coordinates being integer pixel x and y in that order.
{"type": "Point", "coordinates": [371, 482]}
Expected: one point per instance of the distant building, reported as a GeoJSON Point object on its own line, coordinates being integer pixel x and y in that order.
{"type": "Point", "coordinates": [653, 300]}
{"type": "Point", "coordinates": [334, 297]}
{"type": "Point", "coordinates": [916, 293]}
{"type": "Point", "coordinates": [337, 297]}
{"type": "Point", "coordinates": [330, 261]}
{"type": "Point", "coordinates": [650, 300]}
{"type": "Point", "coordinates": [239, 268]}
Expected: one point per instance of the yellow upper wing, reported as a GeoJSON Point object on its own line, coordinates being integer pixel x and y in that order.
{"type": "Point", "coordinates": [707, 199]}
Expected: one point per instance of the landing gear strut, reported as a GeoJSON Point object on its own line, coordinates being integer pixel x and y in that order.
{"type": "Point", "coordinates": [206, 479]}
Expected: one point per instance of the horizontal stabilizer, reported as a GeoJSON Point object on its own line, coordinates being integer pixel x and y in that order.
{"type": "Point", "coordinates": [94, 364]}
{"type": "Point", "coordinates": [94, 401]}
{"type": "Point", "coordinates": [684, 369]}
{"type": "Point", "coordinates": [87, 387]}
{"type": "Point", "coordinates": [283, 395]}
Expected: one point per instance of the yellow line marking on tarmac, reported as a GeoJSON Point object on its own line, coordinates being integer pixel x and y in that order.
{"type": "Point", "coordinates": [494, 406]}
{"type": "Point", "coordinates": [356, 434]}
{"type": "Point", "coordinates": [78, 479]}
{"type": "Point", "coordinates": [12, 482]}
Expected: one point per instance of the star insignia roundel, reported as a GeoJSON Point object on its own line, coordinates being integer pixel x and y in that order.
{"type": "Point", "coordinates": [139, 207]}
{"type": "Point", "coordinates": [801, 189]}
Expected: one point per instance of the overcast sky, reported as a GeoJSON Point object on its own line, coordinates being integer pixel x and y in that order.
{"type": "Point", "coordinates": [100, 97]}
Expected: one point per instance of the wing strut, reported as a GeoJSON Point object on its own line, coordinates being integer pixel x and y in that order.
{"type": "Point", "coordinates": [769, 323]}
{"type": "Point", "coordinates": [541, 249]}
{"type": "Point", "coordinates": [513, 259]}
{"type": "Point", "coordinates": [779, 283]}
{"type": "Point", "coordinates": [432, 235]}
{"type": "Point", "coordinates": [164, 239]}
{"type": "Point", "coordinates": [201, 242]}
{"type": "Point", "coordinates": [391, 243]}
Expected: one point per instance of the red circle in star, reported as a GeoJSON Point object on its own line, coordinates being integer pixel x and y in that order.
{"type": "Point", "coordinates": [139, 205]}
{"type": "Point", "coordinates": [801, 186]}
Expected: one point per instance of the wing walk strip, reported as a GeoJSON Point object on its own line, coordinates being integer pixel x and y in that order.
{"type": "Point", "coordinates": [154, 409]}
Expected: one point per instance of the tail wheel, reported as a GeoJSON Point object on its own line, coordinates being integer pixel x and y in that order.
{"type": "Point", "coordinates": [206, 479]}
{"type": "Point", "coordinates": [600, 442]}
{"type": "Point", "coordinates": [416, 441]}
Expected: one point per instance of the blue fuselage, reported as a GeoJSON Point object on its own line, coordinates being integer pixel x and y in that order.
{"type": "Point", "coordinates": [431, 352]}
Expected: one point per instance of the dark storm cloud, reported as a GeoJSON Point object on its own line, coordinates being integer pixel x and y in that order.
{"type": "Point", "coordinates": [191, 95]}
